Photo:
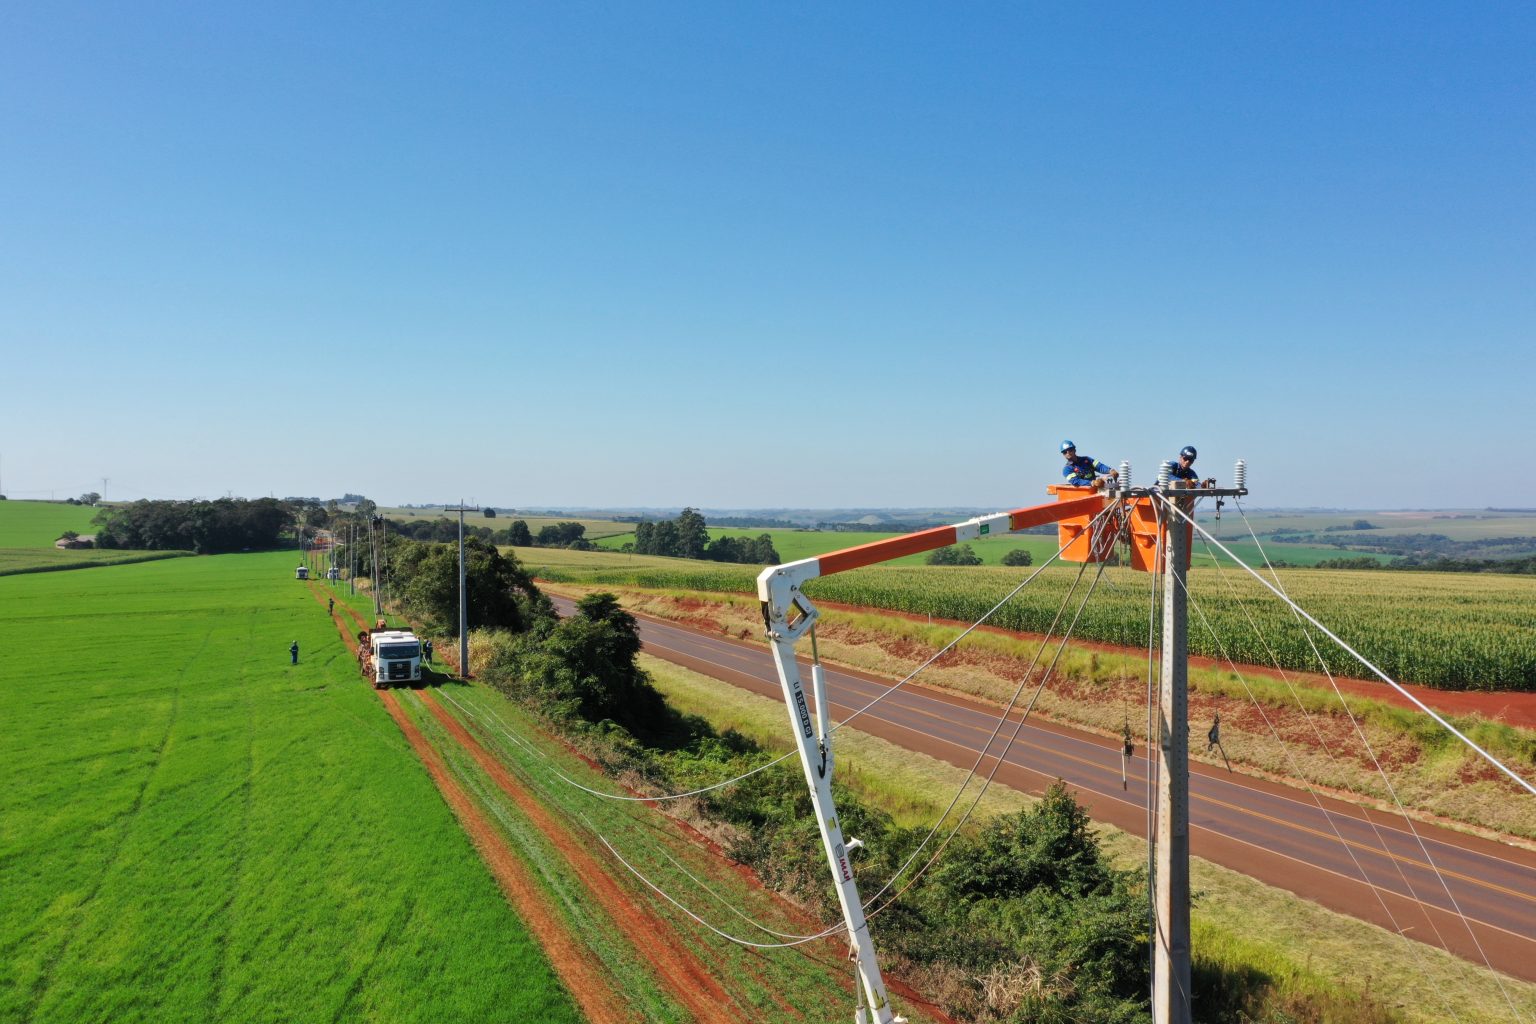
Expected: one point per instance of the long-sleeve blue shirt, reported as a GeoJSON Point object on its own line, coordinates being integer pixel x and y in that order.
{"type": "Point", "coordinates": [1082, 471]}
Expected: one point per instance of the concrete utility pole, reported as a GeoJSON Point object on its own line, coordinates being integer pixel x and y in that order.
{"type": "Point", "coordinates": [1170, 941]}
{"type": "Point", "coordinates": [373, 547]}
{"type": "Point", "coordinates": [461, 508]}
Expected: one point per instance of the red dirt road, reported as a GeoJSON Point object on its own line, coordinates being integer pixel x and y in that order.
{"type": "Point", "coordinates": [582, 976]}
{"type": "Point", "coordinates": [687, 978]}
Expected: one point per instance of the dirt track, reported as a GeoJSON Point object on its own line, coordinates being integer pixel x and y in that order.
{"type": "Point", "coordinates": [582, 976]}
{"type": "Point", "coordinates": [685, 978]}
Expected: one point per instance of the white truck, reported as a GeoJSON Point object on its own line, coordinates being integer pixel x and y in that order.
{"type": "Point", "coordinates": [389, 657]}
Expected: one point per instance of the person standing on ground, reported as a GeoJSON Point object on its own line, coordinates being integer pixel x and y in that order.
{"type": "Point", "coordinates": [330, 606]}
{"type": "Point", "coordinates": [293, 652]}
{"type": "Point", "coordinates": [1082, 471]}
{"type": "Point", "coordinates": [426, 651]}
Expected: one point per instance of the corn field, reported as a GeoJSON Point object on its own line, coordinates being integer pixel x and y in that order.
{"type": "Point", "coordinates": [1449, 630]}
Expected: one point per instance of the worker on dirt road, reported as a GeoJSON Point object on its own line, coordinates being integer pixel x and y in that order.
{"type": "Point", "coordinates": [1082, 471]}
{"type": "Point", "coordinates": [293, 652]}
{"type": "Point", "coordinates": [1182, 470]}
{"type": "Point", "coordinates": [330, 606]}
{"type": "Point", "coordinates": [426, 651]}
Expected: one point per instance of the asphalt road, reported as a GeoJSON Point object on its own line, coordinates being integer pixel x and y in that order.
{"type": "Point", "coordinates": [1367, 864]}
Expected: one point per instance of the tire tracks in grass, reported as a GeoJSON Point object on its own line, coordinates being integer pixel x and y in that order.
{"type": "Point", "coordinates": [225, 910]}
{"type": "Point", "coordinates": [684, 976]}
{"type": "Point", "coordinates": [44, 981]}
{"type": "Point", "coordinates": [588, 986]}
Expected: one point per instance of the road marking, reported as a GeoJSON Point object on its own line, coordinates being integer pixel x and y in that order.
{"type": "Point", "coordinates": [1141, 778]}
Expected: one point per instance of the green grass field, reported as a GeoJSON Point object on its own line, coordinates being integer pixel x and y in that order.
{"type": "Point", "coordinates": [1462, 524]}
{"type": "Point", "coordinates": [37, 524]}
{"type": "Point", "coordinates": [29, 528]}
{"type": "Point", "coordinates": [192, 829]}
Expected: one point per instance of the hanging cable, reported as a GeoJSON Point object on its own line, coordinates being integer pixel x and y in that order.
{"type": "Point", "coordinates": [971, 628]}
{"type": "Point", "coordinates": [625, 798]}
{"type": "Point", "coordinates": [1358, 656]}
{"type": "Point", "coordinates": [1370, 751]}
{"type": "Point", "coordinates": [1000, 758]}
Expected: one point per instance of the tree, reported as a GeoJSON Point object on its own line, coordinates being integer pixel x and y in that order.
{"type": "Point", "coordinates": [1018, 556]}
{"type": "Point", "coordinates": [499, 592]}
{"type": "Point", "coordinates": [490, 513]}
{"type": "Point", "coordinates": [692, 534]}
{"type": "Point", "coordinates": [89, 498]}
{"type": "Point", "coordinates": [955, 554]}
{"type": "Point", "coordinates": [518, 535]}
{"type": "Point", "coordinates": [664, 539]}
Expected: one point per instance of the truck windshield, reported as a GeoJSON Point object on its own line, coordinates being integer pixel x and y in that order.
{"type": "Point", "coordinates": [392, 652]}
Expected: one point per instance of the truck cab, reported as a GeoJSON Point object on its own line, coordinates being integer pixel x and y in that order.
{"type": "Point", "coordinates": [395, 657]}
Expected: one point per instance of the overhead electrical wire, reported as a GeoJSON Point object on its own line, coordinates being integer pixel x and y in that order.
{"type": "Point", "coordinates": [1301, 776]}
{"type": "Point", "coordinates": [1358, 656]}
{"type": "Point", "coordinates": [1002, 719]}
{"type": "Point", "coordinates": [969, 629]}
{"type": "Point", "coordinates": [1381, 771]}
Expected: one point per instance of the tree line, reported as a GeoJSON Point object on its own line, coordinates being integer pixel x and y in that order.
{"type": "Point", "coordinates": [687, 536]}
{"type": "Point", "coordinates": [515, 534]}
{"type": "Point", "coordinates": [206, 527]}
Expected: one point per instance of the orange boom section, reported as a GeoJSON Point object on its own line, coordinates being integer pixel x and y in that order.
{"type": "Point", "coordinates": [943, 536]}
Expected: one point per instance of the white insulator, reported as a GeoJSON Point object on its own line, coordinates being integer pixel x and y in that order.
{"type": "Point", "coordinates": [1240, 475]}
{"type": "Point", "coordinates": [1165, 475]}
{"type": "Point", "coordinates": [1125, 475]}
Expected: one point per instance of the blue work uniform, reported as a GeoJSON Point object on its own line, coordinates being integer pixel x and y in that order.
{"type": "Point", "coordinates": [1183, 472]}
{"type": "Point", "coordinates": [1082, 471]}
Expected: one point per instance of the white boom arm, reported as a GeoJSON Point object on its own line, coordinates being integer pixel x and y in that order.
{"type": "Point", "coordinates": [789, 615]}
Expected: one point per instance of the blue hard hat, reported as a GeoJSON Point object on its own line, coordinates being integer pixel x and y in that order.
{"type": "Point", "coordinates": [1188, 451]}
{"type": "Point", "coordinates": [1068, 444]}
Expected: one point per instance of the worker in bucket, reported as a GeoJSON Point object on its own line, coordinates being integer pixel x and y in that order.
{"type": "Point", "coordinates": [1082, 471]}
{"type": "Point", "coordinates": [1182, 470]}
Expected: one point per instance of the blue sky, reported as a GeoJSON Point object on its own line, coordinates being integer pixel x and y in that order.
{"type": "Point", "coordinates": [766, 255]}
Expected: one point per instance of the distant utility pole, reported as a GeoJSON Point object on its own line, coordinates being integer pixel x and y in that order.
{"type": "Point", "coordinates": [461, 508]}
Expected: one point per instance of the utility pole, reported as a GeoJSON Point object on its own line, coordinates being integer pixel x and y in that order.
{"type": "Point", "coordinates": [461, 508]}
{"type": "Point", "coordinates": [1170, 939]}
{"type": "Point", "coordinates": [373, 547]}
{"type": "Point", "coordinates": [1170, 868]}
